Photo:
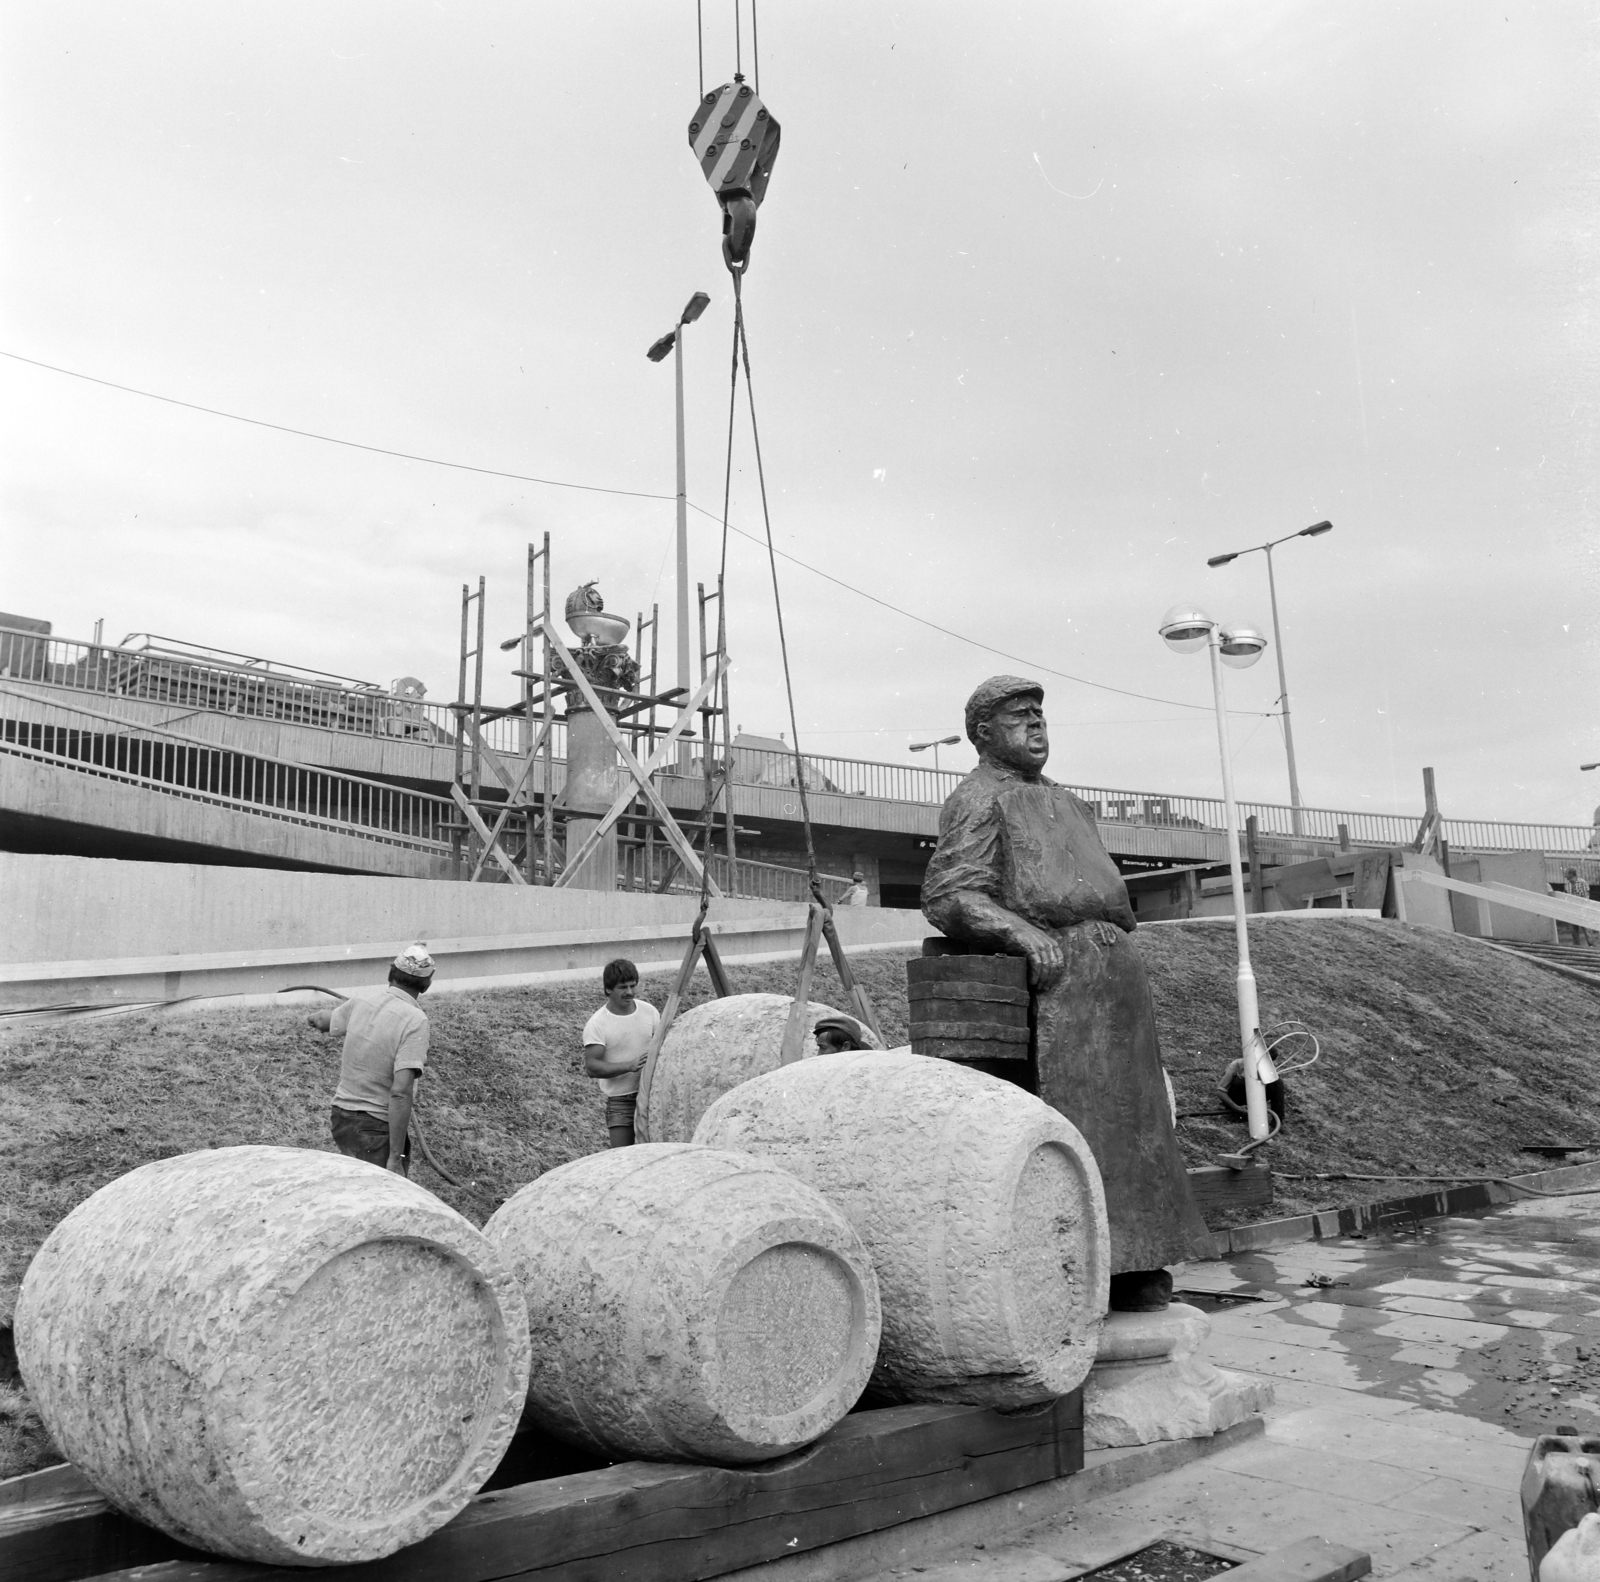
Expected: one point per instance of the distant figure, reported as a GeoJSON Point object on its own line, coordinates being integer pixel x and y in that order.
{"type": "Point", "coordinates": [1578, 886]}
{"type": "Point", "coordinates": [385, 1050]}
{"type": "Point", "coordinates": [837, 1033]}
{"type": "Point", "coordinates": [856, 895]}
{"type": "Point", "coordinates": [615, 1041]}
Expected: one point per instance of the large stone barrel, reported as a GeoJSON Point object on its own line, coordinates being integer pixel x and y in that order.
{"type": "Point", "coordinates": [275, 1354]}
{"type": "Point", "coordinates": [980, 1205]}
{"type": "Point", "coordinates": [688, 1304]}
{"type": "Point", "coordinates": [710, 1048]}
{"type": "Point", "coordinates": [968, 1007]}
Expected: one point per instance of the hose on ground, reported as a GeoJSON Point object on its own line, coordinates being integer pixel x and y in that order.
{"type": "Point", "coordinates": [1509, 1181]}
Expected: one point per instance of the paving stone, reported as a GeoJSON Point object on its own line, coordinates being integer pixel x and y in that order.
{"type": "Point", "coordinates": [1278, 1462]}
{"type": "Point", "coordinates": [1477, 1557]}
{"type": "Point", "coordinates": [1458, 1500]}
{"type": "Point", "coordinates": [1399, 1443]}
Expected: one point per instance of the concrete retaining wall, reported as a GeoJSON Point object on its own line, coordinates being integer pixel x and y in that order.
{"type": "Point", "coordinates": [79, 930]}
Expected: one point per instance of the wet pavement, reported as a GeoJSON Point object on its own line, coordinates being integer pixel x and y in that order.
{"type": "Point", "coordinates": [1412, 1369]}
{"type": "Point", "coordinates": [1495, 1316]}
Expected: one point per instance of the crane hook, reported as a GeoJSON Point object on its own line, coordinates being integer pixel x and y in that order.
{"type": "Point", "coordinates": [735, 141]}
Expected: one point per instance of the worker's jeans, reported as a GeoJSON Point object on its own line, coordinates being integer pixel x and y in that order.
{"type": "Point", "coordinates": [365, 1136]}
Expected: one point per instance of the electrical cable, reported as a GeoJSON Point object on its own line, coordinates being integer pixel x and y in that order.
{"type": "Point", "coordinates": [629, 494]}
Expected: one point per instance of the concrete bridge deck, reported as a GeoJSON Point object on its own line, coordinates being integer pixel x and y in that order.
{"type": "Point", "coordinates": [381, 804]}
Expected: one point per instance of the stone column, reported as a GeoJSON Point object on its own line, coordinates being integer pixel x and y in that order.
{"type": "Point", "coordinates": [594, 780]}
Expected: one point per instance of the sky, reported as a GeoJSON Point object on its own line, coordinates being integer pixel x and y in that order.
{"type": "Point", "coordinates": [1048, 303]}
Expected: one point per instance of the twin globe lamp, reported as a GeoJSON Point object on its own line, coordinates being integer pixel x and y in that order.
{"type": "Point", "coordinates": [1186, 629]}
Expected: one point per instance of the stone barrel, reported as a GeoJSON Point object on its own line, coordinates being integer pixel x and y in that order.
{"type": "Point", "coordinates": [968, 1007]}
{"type": "Point", "coordinates": [980, 1205]}
{"type": "Point", "coordinates": [688, 1304]}
{"type": "Point", "coordinates": [710, 1048]}
{"type": "Point", "coordinates": [275, 1354]}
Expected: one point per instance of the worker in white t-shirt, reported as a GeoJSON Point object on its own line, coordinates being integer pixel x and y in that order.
{"type": "Point", "coordinates": [615, 1041]}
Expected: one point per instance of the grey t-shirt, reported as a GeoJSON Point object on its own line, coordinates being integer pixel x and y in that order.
{"type": "Point", "coordinates": [381, 1037]}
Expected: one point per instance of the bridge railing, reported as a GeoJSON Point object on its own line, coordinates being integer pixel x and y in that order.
{"type": "Point", "coordinates": [198, 684]}
{"type": "Point", "coordinates": [101, 745]}
{"type": "Point", "coordinates": [1162, 810]}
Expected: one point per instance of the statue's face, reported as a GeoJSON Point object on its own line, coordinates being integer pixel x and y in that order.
{"type": "Point", "coordinates": [1015, 734]}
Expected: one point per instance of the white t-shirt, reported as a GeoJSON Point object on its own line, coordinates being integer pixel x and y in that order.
{"type": "Point", "coordinates": [622, 1038]}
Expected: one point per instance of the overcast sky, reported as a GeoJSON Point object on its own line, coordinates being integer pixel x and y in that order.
{"type": "Point", "coordinates": [1048, 303]}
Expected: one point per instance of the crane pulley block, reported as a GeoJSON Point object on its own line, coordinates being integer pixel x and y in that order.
{"type": "Point", "coordinates": [735, 140]}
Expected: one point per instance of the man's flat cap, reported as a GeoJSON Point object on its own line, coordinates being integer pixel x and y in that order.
{"type": "Point", "coordinates": [990, 694]}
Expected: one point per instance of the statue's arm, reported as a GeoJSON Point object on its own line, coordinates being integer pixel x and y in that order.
{"type": "Point", "coordinates": [979, 919]}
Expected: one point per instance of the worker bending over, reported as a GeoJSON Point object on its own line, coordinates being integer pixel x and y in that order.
{"type": "Point", "coordinates": [385, 1050]}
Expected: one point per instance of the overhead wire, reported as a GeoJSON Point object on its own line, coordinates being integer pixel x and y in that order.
{"type": "Point", "coordinates": [631, 494]}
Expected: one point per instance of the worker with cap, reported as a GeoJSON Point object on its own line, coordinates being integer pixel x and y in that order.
{"type": "Point", "coordinates": [385, 1050]}
{"type": "Point", "coordinates": [837, 1033]}
{"type": "Point", "coordinates": [1020, 870]}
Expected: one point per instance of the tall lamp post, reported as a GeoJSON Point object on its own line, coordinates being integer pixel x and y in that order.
{"type": "Point", "coordinates": [943, 741]}
{"type": "Point", "coordinates": [1277, 637]}
{"type": "Point", "coordinates": [1187, 630]}
{"type": "Point", "coordinates": [672, 342]}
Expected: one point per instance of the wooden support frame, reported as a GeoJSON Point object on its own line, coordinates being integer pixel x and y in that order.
{"type": "Point", "coordinates": [641, 773]}
{"type": "Point", "coordinates": [481, 830]}
{"type": "Point", "coordinates": [702, 942]}
{"type": "Point", "coordinates": [667, 1522]}
{"type": "Point", "coordinates": [512, 805]}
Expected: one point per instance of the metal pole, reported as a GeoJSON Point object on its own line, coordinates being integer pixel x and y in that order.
{"type": "Point", "coordinates": [1283, 698]}
{"type": "Point", "coordinates": [685, 750]}
{"type": "Point", "coordinates": [1255, 1096]}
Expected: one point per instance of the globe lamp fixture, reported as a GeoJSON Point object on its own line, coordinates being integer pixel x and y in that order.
{"type": "Point", "coordinates": [1186, 629]}
{"type": "Point", "coordinates": [1241, 646]}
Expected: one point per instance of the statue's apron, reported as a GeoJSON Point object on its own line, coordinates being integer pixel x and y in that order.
{"type": "Point", "coordinates": [1098, 1060]}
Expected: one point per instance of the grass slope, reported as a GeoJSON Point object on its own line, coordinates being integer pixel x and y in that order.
{"type": "Point", "coordinates": [1438, 1055]}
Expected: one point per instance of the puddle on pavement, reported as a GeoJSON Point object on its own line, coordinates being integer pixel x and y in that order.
{"type": "Point", "coordinates": [1494, 1315]}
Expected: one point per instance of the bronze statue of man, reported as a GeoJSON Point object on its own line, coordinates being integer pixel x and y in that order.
{"type": "Point", "coordinates": [1020, 870]}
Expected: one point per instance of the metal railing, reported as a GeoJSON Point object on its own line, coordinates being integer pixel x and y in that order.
{"type": "Point", "coordinates": [86, 742]}
{"type": "Point", "coordinates": [202, 684]}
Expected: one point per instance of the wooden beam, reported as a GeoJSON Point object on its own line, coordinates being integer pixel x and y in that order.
{"type": "Point", "coordinates": [796, 1028]}
{"type": "Point", "coordinates": [1217, 1189]}
{"type": "Point", "coordinates": [641, 776]}
{"type": "Point", "coordinates": [507, 867]}
{"type": "Point", "coordinates": [669, 1523]}
{"type": "Point", "coordinates": [511, 803]}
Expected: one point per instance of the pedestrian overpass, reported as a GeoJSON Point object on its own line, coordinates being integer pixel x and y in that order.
{"type": "Point", "coordinates": [154, 750]}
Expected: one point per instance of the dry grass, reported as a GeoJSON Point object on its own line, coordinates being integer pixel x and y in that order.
{"type": "Point", "coordinates": [1438, 1055]}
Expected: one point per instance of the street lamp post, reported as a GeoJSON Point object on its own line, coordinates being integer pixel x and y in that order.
{"type": "Point", "coordinates": [1277, 638]}
{"type": "Point", "coordinates": [1186, 631]}
{"type": "Point", "coordinates": [672, 342]}
{"type": "Point", "coordinates": [943, 741]}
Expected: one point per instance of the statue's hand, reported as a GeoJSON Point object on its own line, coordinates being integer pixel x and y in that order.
{"type": "Point", "coordinates": [1104, 933]}
{"type": "Point", "coordinates": [1045, 957]}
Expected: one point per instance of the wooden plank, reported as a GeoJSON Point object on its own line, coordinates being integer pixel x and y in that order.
{"type": "Point", "coordinates": [649, 1522]}
{"type": "Point", "coordinates": [971, 1032]}
{"type": "Point", "coordinates": [1217, 1188]}
{"type": "Point", "coordinates": [989, 993]}
{"type": "Point", "coordinates": [1310, 1560]}
{"type": "Point", "coordinates": [470, 813]}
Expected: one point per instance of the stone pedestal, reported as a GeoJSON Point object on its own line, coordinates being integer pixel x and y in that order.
{"type": "Point", "coordinates": [594, 780]}
{"type": "Point", "coordinates": [1150, 1381]}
